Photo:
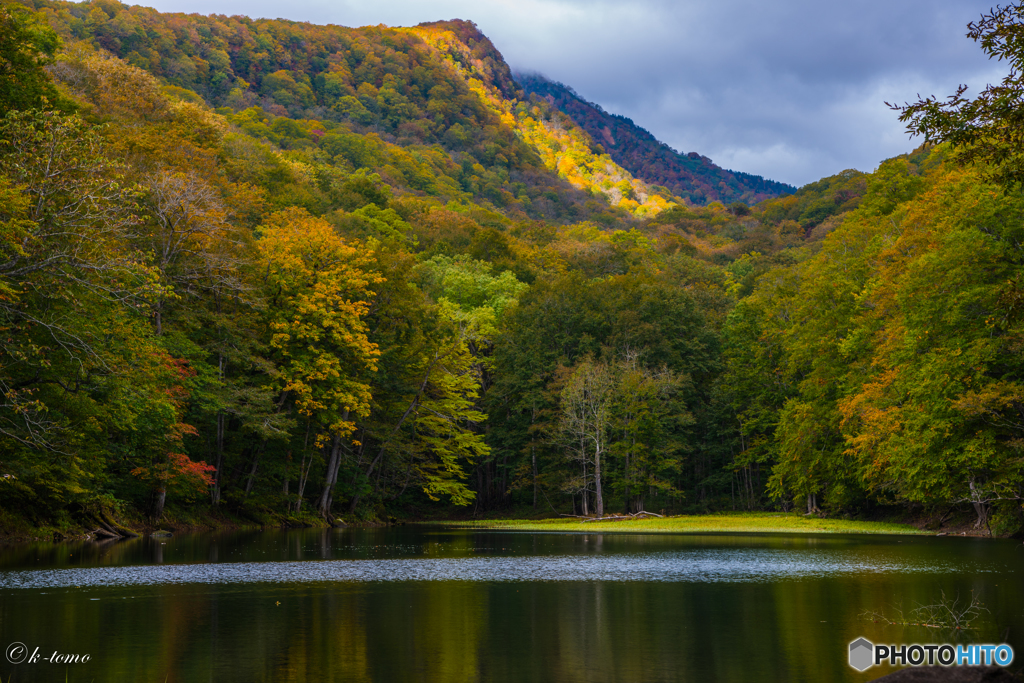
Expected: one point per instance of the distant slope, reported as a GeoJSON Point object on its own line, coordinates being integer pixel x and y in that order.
{"type": "Point", "coordinates": [433, 109]}
{"type": "Point", "coordinates": [564, 147]}
{"type": "Point", "coordinates": [691, 175]}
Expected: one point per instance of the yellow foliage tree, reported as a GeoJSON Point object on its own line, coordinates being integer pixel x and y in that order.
{"type": "Point", "coordinates": [318, 291]}
{"type": "Point", "coordinates": [318, 287]}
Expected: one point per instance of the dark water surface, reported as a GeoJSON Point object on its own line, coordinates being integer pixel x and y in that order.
{"type": "Point", "coordinates": [439, 605]}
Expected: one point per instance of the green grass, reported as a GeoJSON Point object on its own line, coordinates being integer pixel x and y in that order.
{"type": "Point", "coordinates": [732, 522]}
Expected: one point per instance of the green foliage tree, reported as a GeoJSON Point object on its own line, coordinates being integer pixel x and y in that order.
{"type": "Point", "coordinates": [647, 419]}
{"type": "Point", "coordinates": [88, 395]}
{"type": "Point", "coordinates": [27, 46]}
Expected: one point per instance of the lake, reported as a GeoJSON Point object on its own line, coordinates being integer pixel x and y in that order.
{"type": "Point", "coordinates": [417, 603]}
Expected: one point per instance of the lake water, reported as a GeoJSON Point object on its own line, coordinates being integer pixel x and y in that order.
{"type": "Point", "coordinates": [432, 604]}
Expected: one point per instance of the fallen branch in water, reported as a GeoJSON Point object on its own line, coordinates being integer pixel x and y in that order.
{"type": "Point", "coordinates": [947, 613]}
{"type": "Point", "coordinates": [620, 518]}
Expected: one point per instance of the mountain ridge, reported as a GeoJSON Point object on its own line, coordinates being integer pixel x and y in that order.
{"type": "Point", "coordinates": [394, 83]}
{"type": "Point", "coordinates": [692, 176]}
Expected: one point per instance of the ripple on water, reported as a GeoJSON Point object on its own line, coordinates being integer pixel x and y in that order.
{"type": "Point", "coordinates": [704, 566]}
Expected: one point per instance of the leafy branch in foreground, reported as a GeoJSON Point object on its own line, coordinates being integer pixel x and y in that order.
{"type": "Point", "coordinates": [990, 128]}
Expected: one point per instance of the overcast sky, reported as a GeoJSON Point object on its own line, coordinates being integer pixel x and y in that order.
{"type": "Point", "coordinates": [792, 89]}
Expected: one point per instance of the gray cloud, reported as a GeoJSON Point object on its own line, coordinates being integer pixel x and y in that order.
{"type": "Point", "coordinates": [792, 90]}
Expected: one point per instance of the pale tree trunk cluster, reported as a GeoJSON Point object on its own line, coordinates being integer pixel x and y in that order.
{"type": "Point", "coordinates": [586, 403]}
{"type": "Point", "coordinates": [614, 417]}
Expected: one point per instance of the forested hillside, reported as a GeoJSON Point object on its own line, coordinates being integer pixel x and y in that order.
{"type": "Point", "coordinates": [300, 272]}
{"type": "Point", "coordinates": [692, 176]}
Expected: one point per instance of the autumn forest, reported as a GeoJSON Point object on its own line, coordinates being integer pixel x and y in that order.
{"type": "Point", "coordinates": [294, 274]}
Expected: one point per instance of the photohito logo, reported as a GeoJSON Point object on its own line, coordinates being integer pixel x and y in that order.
{"type": "Point", "coordinates": [861, 654]}
{"type": "Point", "coordinates": [864, 654]}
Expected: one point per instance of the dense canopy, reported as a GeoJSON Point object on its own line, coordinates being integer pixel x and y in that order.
{"type": "Point", "coordinates": [295, 273]}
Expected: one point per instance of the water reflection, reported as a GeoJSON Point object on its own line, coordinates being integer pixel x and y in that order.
{"type": "Point", "coordinates": [411, 542]}
{"type": "Point", "coordinates": [439, 605]}
{"type": "Point", "coordinates": [702, 566]}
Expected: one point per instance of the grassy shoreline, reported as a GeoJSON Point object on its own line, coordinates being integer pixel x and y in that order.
{"type": "Point", "coordinates": [730, 522]}
{"type": "Point", "coordinates": [15, 528]}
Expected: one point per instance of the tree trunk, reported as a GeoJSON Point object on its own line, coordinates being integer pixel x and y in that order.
{"type": "Point", "coordinates": [217, 477]}
{"type": "Point", "coordinates": [303, 478]}
{"type": "Point", "coordinates": [504, 480]}
{"type": "Point", "coordinates": [287, 470]}
{"type": "Point", "coordinates": [626, 477]}
{"type": "Point", "coordinates": [533, 456]}
{"type": "Point", "coordinates": [481, 495]}
{"type": "Point", "coordinates": [384, 446]}
{"type": "Point", "coordinates": [323, 504]}
{"type": "Point", "coordinates": [250, 481]}
{"type": "Point", "coordinates": [159, 500]}
{"type": "Point", "coordinates": [980, 508]}
{"type": "Point", "coordinates": [982, 512]}
{"type": "Point", "coordinates": [304, 468]}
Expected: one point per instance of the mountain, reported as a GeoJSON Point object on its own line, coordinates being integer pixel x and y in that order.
{"type": "Point", "coordinates": [691, 175]}
{"type": "Point", "coordinates": [432, 108]}
{"type": "Point", "coordinates": [439, 84]}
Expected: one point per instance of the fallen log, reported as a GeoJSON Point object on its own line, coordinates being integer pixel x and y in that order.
{"type": "Point", "coordinates": [111, 525]}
